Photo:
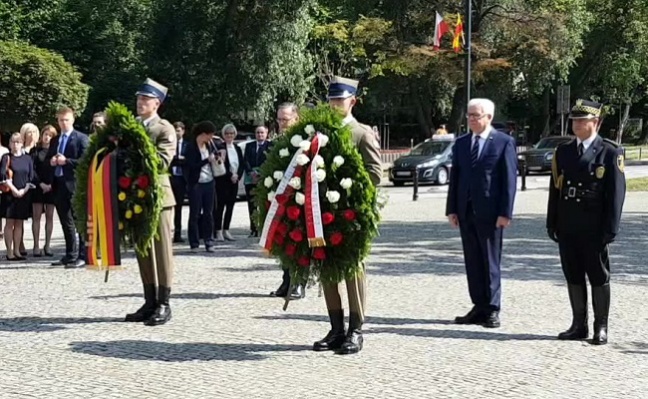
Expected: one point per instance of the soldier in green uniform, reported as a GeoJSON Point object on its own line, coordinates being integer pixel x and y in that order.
{"type": "Point", "coordinates": [342, 95]}
{"type": "Point", "coordinates": [156, 269]}
{"type": "Point", "coordinates": [586, 196]}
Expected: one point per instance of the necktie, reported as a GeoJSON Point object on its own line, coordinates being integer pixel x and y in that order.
{"type": "Point", "coordinates": [581, 149]}
{"type": "Point", "coordinates": [176, 169]}
{"type": "Point", "coordinates": [61, 149]}
{"type": "Point", "coordinates": [474, 151]}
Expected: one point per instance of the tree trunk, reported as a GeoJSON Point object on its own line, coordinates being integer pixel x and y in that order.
{"type": "Point", "coordinates": [546, 111]}
{"type": "Point", "coordinates": [458, 111]}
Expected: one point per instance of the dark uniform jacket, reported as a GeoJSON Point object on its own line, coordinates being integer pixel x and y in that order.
{"type": "Point", "coordinates": [586, 193]}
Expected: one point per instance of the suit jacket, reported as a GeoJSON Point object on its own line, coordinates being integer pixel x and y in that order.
{"type": "Point", "coordinates": [177, 162]}
{"type": "Point", "coordinates": [241, 167]}
{"type": "Point", "coordinates": [252, 158]}
{"type": "Point", "coordinates": [490, 185]}
{"type": "Point", "coordinates": [75, 147]}
{"type": "Point", "coordinates": [194, 162]}
{"type": "Point", "coordinates": [164, 138]}
{"type": "Point", "coordinates": [365, 140]}
{"type": "Point", "coordinates": [586, 194]}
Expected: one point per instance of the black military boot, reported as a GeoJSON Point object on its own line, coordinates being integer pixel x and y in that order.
{"type": "Point", "coordinates": [601, 303]}
{"type": "Point", "coordinates": [146, 311]}
{"type": "Point", "coordinates": [578, 300]}
{"type": "Point", "coordinates": [282, 291]}
{"type": "Point", "coordinates": [162, 312]}
{"type": "Point", "coordinates": [335, 338]}
{"type": "Point", "coordinates": [353, 342]}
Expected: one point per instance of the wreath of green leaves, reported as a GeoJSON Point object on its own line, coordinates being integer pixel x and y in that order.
{"type": "Point", "coordinates": [137, 156]}
{"type": "Point", "coordinates": [344, 260]}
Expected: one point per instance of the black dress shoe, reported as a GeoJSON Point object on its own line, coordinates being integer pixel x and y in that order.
{"type": "Point", "coordinates": [282, 291]}
{"type": "Point", "coordinates": [146, 311]}
{"type": "Point", "coordinates": [77, 264]}
{"type": "Point", "coordinates": [475, 316]}
{"type": "Point", "coordinates": [336, 337]}
{"type": "Point", "coordinates": [178, 240]}
{"type": "Point", "coordinates": [62, 262]}
{"type": "Point", "coordinates": [353, 342]}
{"type": "Point", "coordinates": [492, 320]}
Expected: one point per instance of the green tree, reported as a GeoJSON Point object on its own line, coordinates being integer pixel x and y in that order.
{"type": "Point", "coordinates": [34, 82]}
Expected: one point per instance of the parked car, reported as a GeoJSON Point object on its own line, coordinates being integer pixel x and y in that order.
{"type": "Point", "coordinates": [539, 157]}
{"type": "Point", "coordinates": [432, 160]}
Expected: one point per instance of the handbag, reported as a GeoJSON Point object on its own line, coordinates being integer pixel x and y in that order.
{"type": "Point", "coordinates": [4, 187]}
{"type": "Point", "coordinates": [218, 167]}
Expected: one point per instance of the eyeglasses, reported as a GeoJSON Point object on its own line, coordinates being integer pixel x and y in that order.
{"type": "Point", "coordinates": [475, 116]}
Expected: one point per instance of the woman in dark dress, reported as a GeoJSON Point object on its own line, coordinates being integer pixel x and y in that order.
{"type": "Point", "coordinates": [42, 196]}
{"type": "Point", "coordinates": [19, 181]}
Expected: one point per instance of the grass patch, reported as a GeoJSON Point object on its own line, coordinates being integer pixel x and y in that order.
{"type": "Point", "coordinates": [636, 153]}
{"type": "Point", "coordinates": [638, 184]}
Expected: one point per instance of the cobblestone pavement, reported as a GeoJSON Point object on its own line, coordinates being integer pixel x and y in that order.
{"type": "Point", "coordinates": [61, 334]}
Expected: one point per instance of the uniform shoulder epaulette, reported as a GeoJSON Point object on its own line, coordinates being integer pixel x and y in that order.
{"type": "Point", "coordinates": [165, 122]}
{"type": "Point", "coordinates": [366, 127]}
{"type": "Point", "coordinates": [611, 142]}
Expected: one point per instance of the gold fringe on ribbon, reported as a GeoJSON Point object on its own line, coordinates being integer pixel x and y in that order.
{"type": "Point", "coordinates": [316, 242]}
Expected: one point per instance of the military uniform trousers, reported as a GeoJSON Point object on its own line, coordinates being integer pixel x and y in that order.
{"type": "Point", "coordinates": [159, 261]}
{"type": "Point", "coordinates": [584, 254]}
{"type": "Point", "coordinates": [356, 292]}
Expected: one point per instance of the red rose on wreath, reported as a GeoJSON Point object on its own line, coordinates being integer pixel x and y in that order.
{"type": "Point", "coordinates": [296, 235]}
{"type": "Point", "coordinates": [279, 239]}
{"type": "Point", "coordinates": [281, 199]}
{"type": "Point", "coordinates": [125, 182]}
{"type": "Point", "coordinates": [328, 218]}
{"type": "Point", "coordinates": [303, 261]}
{"type": "Point", "coordinates": [350, 215]}
{"type": "Point", "coordinates": [282, 229]}
{"type": "Point", "coordinates": [319, 254]}
{"type": "Point", "coordinates": [336, 238]}
{"type": "Point", "coordinates": [281, 211]}
{"type": "Point", "coordinates": [293, 212]}
{"type": "Point", "coordinates": [143, 182]}
{"type": "Point", "coordinates": [291, 249]}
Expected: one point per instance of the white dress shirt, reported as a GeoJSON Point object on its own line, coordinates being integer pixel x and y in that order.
{"type": "Point", "coordinates": [206, 175]}
{"type": "Point", "coordinates": [587, 142]}
{"type": "Point", "coordinates": [483, 136]}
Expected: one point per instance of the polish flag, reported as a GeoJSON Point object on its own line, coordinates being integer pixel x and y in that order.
{"type": "Point", "coordinates": [440, 29]}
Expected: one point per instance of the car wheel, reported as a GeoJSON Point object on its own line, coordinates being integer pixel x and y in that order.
{"type": "Point", "coordinates": [442, 176]}
{"type": "Point", "coordinates": [399, 183]}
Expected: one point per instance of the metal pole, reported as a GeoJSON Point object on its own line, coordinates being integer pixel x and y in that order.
{"type": "Point", "coordinates": [416, 183]}
{"type": "Point", "coordinates": [468, 51]}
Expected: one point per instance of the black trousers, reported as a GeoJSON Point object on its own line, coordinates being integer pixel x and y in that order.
{"type": "Point", "coordinates": [225, 199]}
{"type": "Point", "coordinates": [63, 204]}
{"type": "Point", "coordinates": [584, 255]}
{"type": "Point", "coordinates": [249, 192]}
{"type": "Point", "coordinates": [201, 207]}
{"type": "Point", "coordinates": [179, 187]}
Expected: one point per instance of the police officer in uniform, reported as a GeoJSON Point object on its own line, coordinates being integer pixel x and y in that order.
{"type": "Point", "coordinates": [586, 196]}
{"type": "Point", "coordinates": [156, 268]}
{"type": "Point", "coordinates": [342, 95]}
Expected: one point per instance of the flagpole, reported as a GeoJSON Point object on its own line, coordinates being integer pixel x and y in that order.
{"type": "Point", "coordinates": [468, 51]}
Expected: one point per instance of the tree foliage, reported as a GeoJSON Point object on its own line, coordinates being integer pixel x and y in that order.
{"type": "Point", "coordinates": [34, 82]}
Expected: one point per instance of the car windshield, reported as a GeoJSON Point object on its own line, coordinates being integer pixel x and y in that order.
{"type": "Point", "coordinates": [550, 142]}
{"type": "Point", "coordinates": [430, 148]}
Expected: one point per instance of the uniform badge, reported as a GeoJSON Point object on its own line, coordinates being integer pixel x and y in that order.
{"type": "Point", "coordinates": [621, 163]}
{"type": "Point", "coordinates": [600, 172]}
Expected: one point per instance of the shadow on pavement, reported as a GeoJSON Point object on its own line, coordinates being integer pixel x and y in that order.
{"type": "Point", "coordinates": [45, 324]}
{"type": "Point", "coordinates": [181, 352]}
{"type": "Point", "coordinates": [391, 321]}
{"type": "Point", "coordinates": [188, 295]}
{"type": "Point", "coordinates": [405, 248]}
{"type": "Point", "coordinates": [639, 348]}
{"type": "Point", "coordinates": [461, 334]}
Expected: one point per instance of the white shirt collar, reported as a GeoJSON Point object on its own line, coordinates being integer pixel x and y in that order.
{"type": "Point", "coordinates": [484, 135]}
{"type": "Point", "coordinates": [67, 133]}
{"type": "Point", "coordinates": [348, 119]}
{"type": "Point", "coordinates": [587, 142]}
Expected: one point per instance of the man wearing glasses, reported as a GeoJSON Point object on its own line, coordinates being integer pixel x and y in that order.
{"type": "Point", "coordinates": [287, 116]}
{"type": "Point", "coordinates": [480, 202]}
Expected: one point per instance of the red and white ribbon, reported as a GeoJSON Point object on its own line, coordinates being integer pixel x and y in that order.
{"type": "Point", "coordinates": [314, 227]}
{"type": "Point", "coordinates": [276, 210]}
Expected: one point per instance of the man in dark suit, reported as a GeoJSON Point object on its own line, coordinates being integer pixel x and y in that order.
{"type": "Point", "coordinates": [254, 157]}
{"type": "Point", "coordinates": [178, 181]}
{"type": "Point", "coordinates": [480, 202]}
{"type": "Point", "coordinates": [586, 196]}
{"type": "Point", "coordinates": [64, 154]}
